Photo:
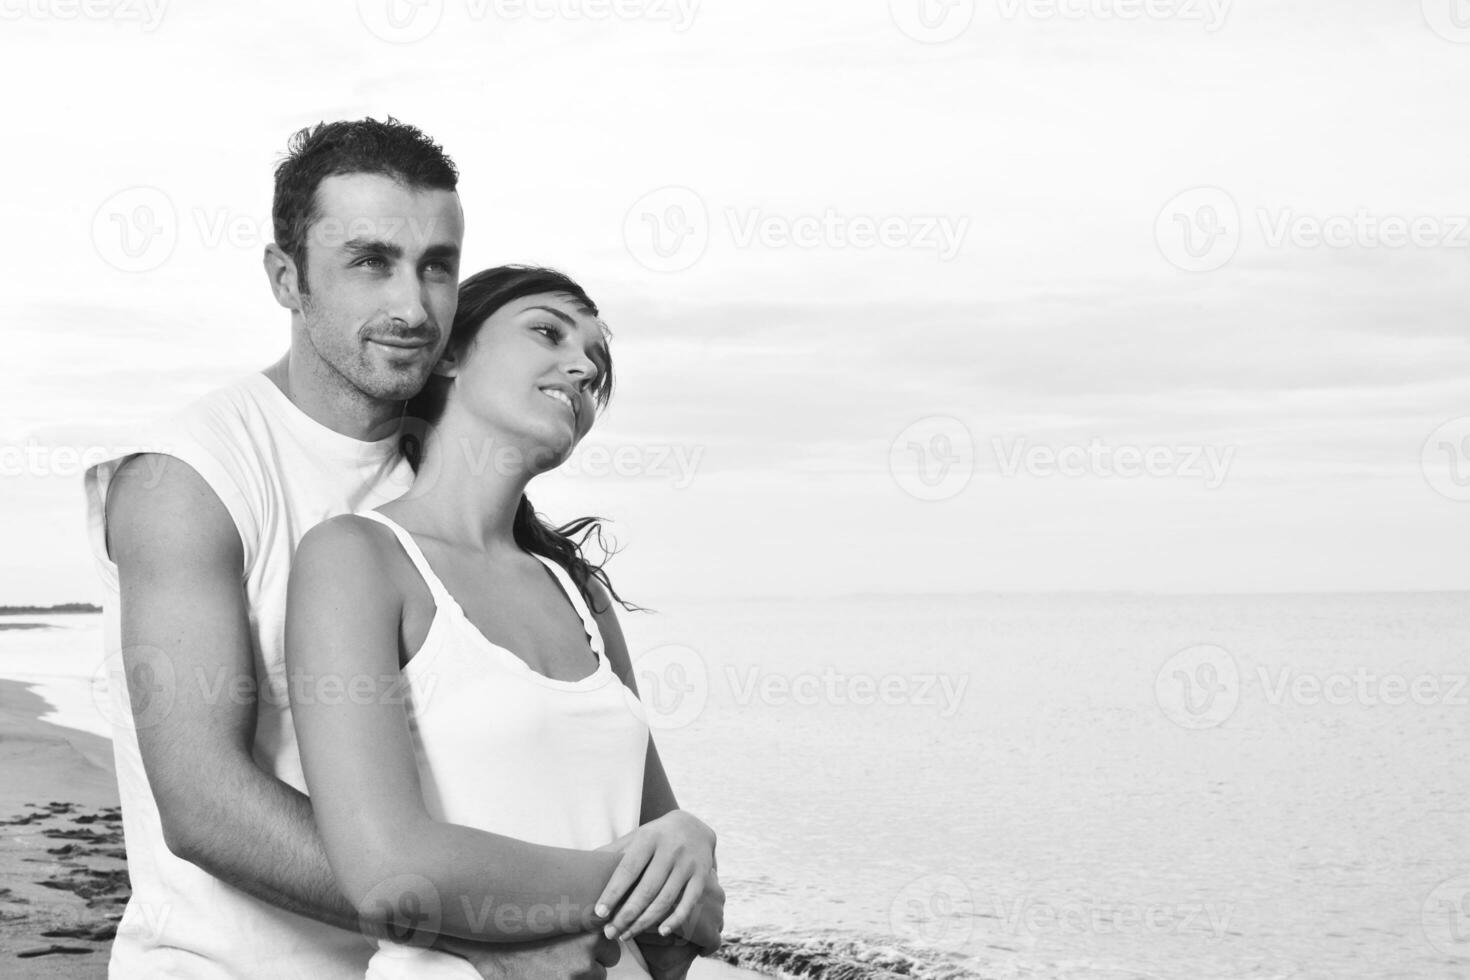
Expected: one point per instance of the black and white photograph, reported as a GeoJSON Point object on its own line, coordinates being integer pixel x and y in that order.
{"type": "Point", "coordinates": [730, 489]}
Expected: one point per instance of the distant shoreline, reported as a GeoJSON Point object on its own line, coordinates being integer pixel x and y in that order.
{"type": "Point", "coordinates": [65, 608]}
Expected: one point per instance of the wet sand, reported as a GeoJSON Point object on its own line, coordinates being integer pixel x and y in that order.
{"type": "Point", "coordinates": [63, 879]}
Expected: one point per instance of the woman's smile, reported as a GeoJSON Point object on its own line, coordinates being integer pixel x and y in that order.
{"type": "Point", "coordinates": [563, 395]}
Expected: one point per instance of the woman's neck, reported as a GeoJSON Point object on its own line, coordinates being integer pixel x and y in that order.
{"type": "Point", "coordinates": [467, 491]}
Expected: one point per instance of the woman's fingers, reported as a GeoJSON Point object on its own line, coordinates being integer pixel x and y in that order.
{"type": "Point", "coordinates": [662, 905]}
{"type": "Point", "coordinates": [648, 888]}
{"type": "Point", "coordinates": [623, 876]}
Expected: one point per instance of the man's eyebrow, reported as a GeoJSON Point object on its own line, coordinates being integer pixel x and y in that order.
{"type": "Point", "coordinates": [442, 250]}
{"type": "Point", "coordinates": [373, 246]}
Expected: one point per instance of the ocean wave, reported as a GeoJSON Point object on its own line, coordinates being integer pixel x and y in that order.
{"type": "Point", "coordinates": [845, 956]}
{"type": "Point", "coordinates": [796, 957]}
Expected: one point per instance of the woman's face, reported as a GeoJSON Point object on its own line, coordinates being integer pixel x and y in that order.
{"type": "Point", "coordinates": [529, 374]}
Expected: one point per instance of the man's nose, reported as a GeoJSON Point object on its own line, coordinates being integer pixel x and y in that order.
{"type": "Point", "coordinates": [406, 299]}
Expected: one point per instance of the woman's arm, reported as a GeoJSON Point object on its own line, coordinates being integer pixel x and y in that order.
{"type": "Point", "coordinates": [685, 883]}
{"type": "Point", "coordinates": [393, 861]}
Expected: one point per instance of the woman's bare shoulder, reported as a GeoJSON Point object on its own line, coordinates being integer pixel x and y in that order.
{"type": "Point", "coordinates": [352, 549]}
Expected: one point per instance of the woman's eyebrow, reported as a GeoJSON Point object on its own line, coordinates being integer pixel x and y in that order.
{"type": "Point", "coordinates": [599, 348]}
{"type": "Point", "coordinates": [556, 313]}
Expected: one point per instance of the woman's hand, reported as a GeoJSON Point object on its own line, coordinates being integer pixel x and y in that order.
{"type": "Point", "coordinates": [672, 859]}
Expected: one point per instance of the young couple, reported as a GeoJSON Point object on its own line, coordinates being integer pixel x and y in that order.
{"type": "Point", "coordinates": [439, 669]}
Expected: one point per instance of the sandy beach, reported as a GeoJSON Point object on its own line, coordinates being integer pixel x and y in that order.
{"type": "Point", "coordinates": [63, 880]}
{"type": "Point", "coordinates": [63, 877]}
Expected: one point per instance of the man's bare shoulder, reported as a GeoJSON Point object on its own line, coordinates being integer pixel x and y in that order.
{"type": "Point", "coordinates": [161, 505]}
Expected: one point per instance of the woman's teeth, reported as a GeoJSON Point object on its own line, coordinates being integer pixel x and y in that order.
{"type": "Point", "coordinates": [561, 396]}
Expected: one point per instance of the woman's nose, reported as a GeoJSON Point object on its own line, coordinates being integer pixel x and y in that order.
{"type": "Point", "coordinates": [583, 368]}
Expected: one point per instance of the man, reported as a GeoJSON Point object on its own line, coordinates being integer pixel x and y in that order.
{"type": "Point", "coordinates": [194, 539]}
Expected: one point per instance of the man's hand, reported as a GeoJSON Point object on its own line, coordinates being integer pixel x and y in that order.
{"type": "Point", "coordinates": [584, 956]}
{"type": "Point", "coordinates": [667, 958]}
{"type": "Point", "coordinates": [706, 920]}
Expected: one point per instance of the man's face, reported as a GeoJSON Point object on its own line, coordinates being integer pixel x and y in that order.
{"type": "Point", "coordinates": [382, 264]}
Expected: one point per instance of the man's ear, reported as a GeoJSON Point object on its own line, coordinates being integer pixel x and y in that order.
{"type": "Point", "coordinates": [280, 271]}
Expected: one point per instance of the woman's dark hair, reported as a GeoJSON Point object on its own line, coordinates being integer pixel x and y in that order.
{"type": "Point", "coordinates": [479, 297]}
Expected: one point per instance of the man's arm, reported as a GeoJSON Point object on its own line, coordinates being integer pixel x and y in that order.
{"type": "Point", "coordinates": [186, 641]}
{"type": "Point", "coordinates": [185, 631]}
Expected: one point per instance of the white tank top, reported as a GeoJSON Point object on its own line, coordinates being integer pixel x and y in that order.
{"type": "Point", "coordinates": [278, 473]}
{"type": "Point", "coordinates": [506, 749]}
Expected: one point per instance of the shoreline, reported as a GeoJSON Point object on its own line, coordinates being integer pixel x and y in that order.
{"type": "Point", "coordinates": [62, 869]}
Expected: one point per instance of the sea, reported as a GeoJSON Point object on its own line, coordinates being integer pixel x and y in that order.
{"type": "Point", "coordinates": [1057, 787]}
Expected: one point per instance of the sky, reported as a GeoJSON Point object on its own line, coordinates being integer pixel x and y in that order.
{"type": "Point", "coordinates": [907, 296]}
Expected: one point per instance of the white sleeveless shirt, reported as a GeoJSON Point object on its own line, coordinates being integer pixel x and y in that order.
{"type": "Point", "coordinates": [506, 749]}
{"type": "Point", "coordinates": [278, 473]}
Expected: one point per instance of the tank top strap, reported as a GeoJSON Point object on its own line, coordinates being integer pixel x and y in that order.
{"type": "Point", "coordinates": [589, 625]}
{"type": "Point", "coordinates": [410, 546]}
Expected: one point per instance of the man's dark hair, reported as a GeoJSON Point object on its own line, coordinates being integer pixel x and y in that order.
{"type": "Point", "coordinates": [359, 146]}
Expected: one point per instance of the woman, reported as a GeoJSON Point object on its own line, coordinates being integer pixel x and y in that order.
{"type": "Point", "coordinates": [482, 793]}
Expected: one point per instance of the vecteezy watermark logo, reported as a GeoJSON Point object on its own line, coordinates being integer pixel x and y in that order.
{"type": "Point", "coordinates": [679, 13]}
{"type": "Point", "coordinates": [148, 13]}
{"type": "Point", "coordinates": [408, 21]}
{"type": "Point", "coordinates": [400, 21]}
{"type": "Point", "coordinates": [673, 684]}
{"type": "Point", "coordinates": [936, 911]}
{"type": "Point", "coordinates": [1445, 916]}
{"type": "Point", "coordinates": [135, 691]}
{"type": "Point", "coordinates": [1284, 227]}
{"type": "Point", "coordinates": [1211, 464]}
{"type": "Point", "coordinates": [933, 458]}
{"type": "Point", "coordinates": [932, 21]}
{"type": "Point", "coordinates": [404, 908]}
{"type": "Point", "coordinates": [667, 230]}
{"type": "Point", "coordinates": [1445, 459]}
{"type": "Point", "coordinates": [834, 687]}
{"type": "Point", "coordinates": [1198, 687]}
{"type": "Point", "coordinates": [938, 233]}
{"type": "Point", "coordinates": [1210, 13]}
{"type": "Point", "coordinates": [1199, 229]}
{"type": "Point", "coordinates": [1036, 917]}
{"type": "Point", "coordinates": [1364, 687]}
{"type": "Point", "coordinates": [154, 918]}
{"type": "Point", "coordinates": [1450, 19]}
{"type": "Point", "coordinates": [136, 230]}
{"type": "Point", "coordinates": [40, 459]}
